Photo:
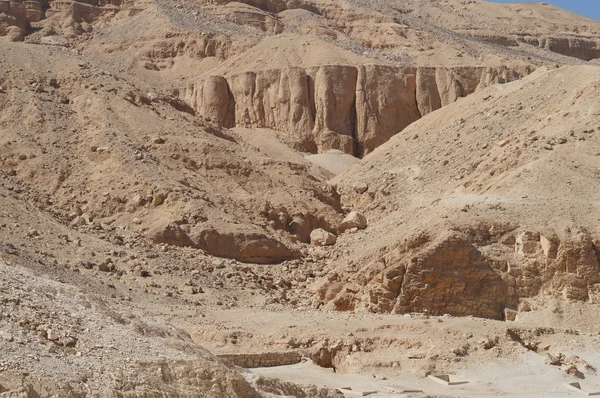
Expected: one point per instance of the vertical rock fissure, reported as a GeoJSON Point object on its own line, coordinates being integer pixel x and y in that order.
{"type": "Point", "coordinates": [356, 147]}
{"type": "Point", "coordinates": [230, 118]}
{"type": "Point", "coordinates": [311, 97]}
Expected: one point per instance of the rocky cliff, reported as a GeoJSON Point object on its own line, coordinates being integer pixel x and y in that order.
{"type": "Point", "coordinates": [351, 108]}
{"type": "Point", "coordinates": [16, 16]}
{"type": "Point", "coordinates": [452, 274]}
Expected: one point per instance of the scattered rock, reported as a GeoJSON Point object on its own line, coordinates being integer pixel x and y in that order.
{"type": "Point", "coordinates": [52, 335]}
{"type": "Point", "coordinates": [555, 360]}
{"type": "Point", "coordinates": [159, 198]}
{"type": "Point", "coordinates": [573, 371]}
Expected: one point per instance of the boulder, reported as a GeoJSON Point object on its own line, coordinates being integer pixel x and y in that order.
{"type": "Point", "coordinates": [353, 220]}
{"type": "Point", "coordinates": [360, 188]}
{"type": "Point", "coordinates": [244, 246]}
{"type": "Point", "coordinates": [320, 237]}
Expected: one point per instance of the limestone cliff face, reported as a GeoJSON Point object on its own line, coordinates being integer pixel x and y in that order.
{"type": "Point", "coordinates": [335, 107]}
{"type": "Point", "coordinates": [215, 103]}
{"type": "Point", "coordinates": [386, 102]}
{"type": "Point", "coordinates": [454, 275]}
{"type": "Point", "coordinates": [17, 15]}
{"type": "Point", "coordinates": [444, 276]}
{"type": "Point", "coordinates": [354, 109]}
{"type": "Point", "coordinates": [578, 47]}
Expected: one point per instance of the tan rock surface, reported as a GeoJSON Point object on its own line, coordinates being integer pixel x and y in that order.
{"type": "Point", "coordinates": [14, 22]}
{"type": "Point", "coordinates": [320, 237]}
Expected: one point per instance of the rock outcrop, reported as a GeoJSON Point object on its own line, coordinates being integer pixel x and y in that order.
{"type": "Point", "coordinates": [85, 10]}
{"type": "Point", "coordinates": [450, 235]}
{"type": "Point", "coordinates": [451, 275]}
{"type": "Point", "coordinates": [353, 220]}
{"type": "Point", "coordinates": [353, 109]}
{"type": "Point", "coordinates": [68, 17]}
{"type": "Point", "coordinates": [578, 47]}
{"type": "Point", "coordinates": [245, 15]}
{"type": "Point", "coordinates": [446, 276]}
{"type": "Point", "coordinates": [386, 102]}
{"type": "Point", "coordinates": [15, 17]}
{"type": "Point", "coordinates": [582, 47]}
{"type": "Point", "coordinates": [250, 246]}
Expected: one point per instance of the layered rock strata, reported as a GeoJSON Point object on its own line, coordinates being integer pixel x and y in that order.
{"type": "Point", "coordinates": [583, 48]}
{"type": "Point", "coordinates": [453, 275]}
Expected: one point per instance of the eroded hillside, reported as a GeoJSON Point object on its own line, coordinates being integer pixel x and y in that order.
{"type": "Point", "coordinates": [487, 202]}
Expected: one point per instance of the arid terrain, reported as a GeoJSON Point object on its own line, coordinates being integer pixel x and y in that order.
{"type": "Point", "coordinates": [298, 198]}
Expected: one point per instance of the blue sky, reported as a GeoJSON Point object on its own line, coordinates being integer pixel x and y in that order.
{"type": "Point", "coordinates": [588, 8]}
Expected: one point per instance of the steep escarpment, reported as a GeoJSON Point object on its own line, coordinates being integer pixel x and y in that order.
{"type": "Point", "coordinates": [354, 109]}
{"type": "Point", "coordinates": [467, 206]}
{"type": "Point", "coordinates": [260, 64]}
{"type": "Point", "coordinates": [576, 46]}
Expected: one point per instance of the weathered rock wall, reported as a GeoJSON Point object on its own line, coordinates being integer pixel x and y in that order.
{"type": "Point", "coordinates": [393, 107]}
{"type": "Point", "coordinates": [87, 11]}
{"type": "Point", "coordinates": [578, 47]}
{"type": "Point", "coordinates": [15, 17]}
{"type": "Point", "coordinates": [454, 275]}
{"type": "Point", "coordinates": [354, 109]}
